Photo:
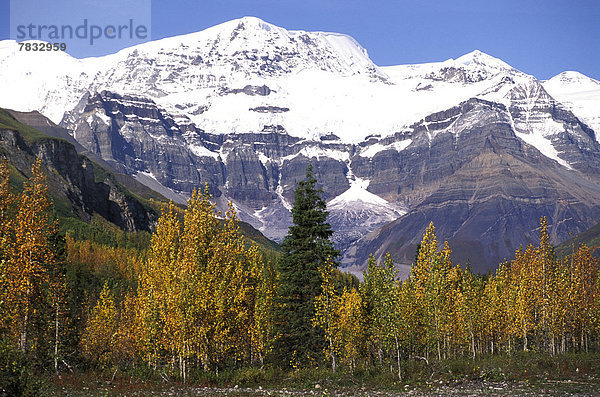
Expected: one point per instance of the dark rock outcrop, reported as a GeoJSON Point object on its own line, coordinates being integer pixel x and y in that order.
{"type": "Point", "coordinates": [134, 135]}
{"type": "Point", "coordinates": [251, 90]}
{"type": "Point", "coordinates": [74, 179]}
{"type": "Point", "coordinates": [269, 109]}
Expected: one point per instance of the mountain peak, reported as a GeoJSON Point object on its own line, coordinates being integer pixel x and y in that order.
{"type": "Point", "coordinates": [251, 23]}
{"type": "Point", "coordinates": [571, 77]}
{"type": "Point", "coordinates": [251, 19]}
{"type": "Point", "coordinates": [477, 58]}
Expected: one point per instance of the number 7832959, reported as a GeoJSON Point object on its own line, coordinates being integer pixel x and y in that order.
{"type": "Point", "coordinates": [42, 46]}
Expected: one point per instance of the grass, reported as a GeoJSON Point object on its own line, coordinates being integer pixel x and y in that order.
{"type": "Point", "coordinates": [590, 237]}
{"type": "Point", "coordinates": [29, 134]}
{"type": "Point", "coordinates": [101, 231]}
{"type": "Point", "coordinates": [487, 375]}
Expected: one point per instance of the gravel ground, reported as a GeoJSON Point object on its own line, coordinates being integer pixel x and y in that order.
{"type": "Point", "coordinates": [543, 388]}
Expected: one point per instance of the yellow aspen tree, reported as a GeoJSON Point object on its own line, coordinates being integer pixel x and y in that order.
{"type": "Point", "coordinates": [246, 264]}
{"type": "Point", "coordinates": [429, 276]}
{"type": "Point", "coordinates": [351, 328]}
{"type": "Point", "coordinates": [560, 294]}
{"type": "Point", "coordinates": [472, 308]}
{"type": "Point", "coordinates": [100, 338]}
{"type": "Point", "coordinates": [541, 281]}
{"type": "Point", "coordinates": [57, 298]}
{"type": "Point", "coordinates": [129, 331]}
{"type": "Point", "coordinates": [251, 288]}
{"type": "Point", "coordinates": [583, 295]}
{"type": "Point", "coordinates": [436, 296]}
{"type": "Point", "coordinates": [455, 322]}
{"type": "Point", "coordinates": [221, 276]}
{"type": "Point", "coordinates": [496, 307]}
{"type": "Point", "coordinates": [546, 266]}
{"type": "Point", "coordinates": [326, 312]}
{"type": "Point", "coordinates": [595, 315]}
{"type": "Point", "coordinates": [420, 281]}
{"type": "Point", "coordinates": [381, 295]}
{"type": "Point", "coordinates": [522, 296]}
{"type": "Point", "coordinates": [198, 292]}
{"type": "Point", "coordinates": [411, 327]}
{"type": "Point", "coordinates": [156, 288]}
{"type": "Point", "coordinates": [7, 202]}
{"type": "Point", "coordinates": [262, 331]}
{"type": "Point", "coordinates": [234, 291]}
{"type": "Point", "coordinates": [422, 269]}
{"type": "Point", "coordinates": [200, 228]}
{"type": "Point", "coordinates": [195, 280]}
{"type": "Point", "coordinates": [32, 258]}
{"type": "Point", "coordinates": [200, 274]}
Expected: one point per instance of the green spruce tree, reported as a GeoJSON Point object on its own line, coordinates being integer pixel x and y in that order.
{"type": "Point", "coordinates": [306, 248]}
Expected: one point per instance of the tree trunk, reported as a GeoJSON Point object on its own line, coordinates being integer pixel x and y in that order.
{"type": "Point", "coordinates": [333, 364]}
{"type": "Point", "coordinates": [473, 343]}
{"type": "Point", "coordinates": [205, 362]}
{"type": "Point", "coordinates": [25, 324]}
{"type": "Point", "coordinates": [56, 338]}
{"type": "Point", "coordinates": [181, 367]}
{"type": "Point", "coordinates": [398, 356]}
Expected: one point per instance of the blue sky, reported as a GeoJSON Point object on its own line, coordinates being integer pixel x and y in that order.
{"type": "Point", "coordinates": [540, 37]}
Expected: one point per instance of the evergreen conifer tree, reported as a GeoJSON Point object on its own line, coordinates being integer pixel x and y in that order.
{"type": "Point", "coordinates": [306, 248]}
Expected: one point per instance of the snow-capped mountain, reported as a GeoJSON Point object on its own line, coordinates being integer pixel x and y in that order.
{"type": "Point", "coordinates": [245, 105]}
{"type": "Point", "coordinates": [200, 75]}
{"type": "Point", "coordinates": [314, 83]}
{"type": "Point", "coordinates": [578, 93]}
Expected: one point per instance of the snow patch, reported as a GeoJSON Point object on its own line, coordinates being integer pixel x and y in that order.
{"type": "Point", "coordinates": [539, 138]}
{"type": "Point", "coordinates": [357, 193]}
{"type": "Point", "coordinates": [105, 119]}
{"type": "Point", "coordinates": [263, 159]}
{"type": "Point", "coordinates": [315, 151]}
{"type": "Point", "coordinates": [201, 151]}
{"type": "Point", "coordinates": [372, 150]}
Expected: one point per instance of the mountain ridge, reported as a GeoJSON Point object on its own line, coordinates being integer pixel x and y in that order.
{"type": "Point", "coordinates": [244, 106]}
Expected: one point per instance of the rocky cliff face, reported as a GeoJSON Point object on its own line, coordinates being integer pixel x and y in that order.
{"type": "Point", "coordinates": [484, 188]}
{"type": "Point", "coordinates": [469, 169]}
{"type": "Point", "coordinates": [256, 171]}
{"type": "Point", "coordinates": [134, 135]}
{"type": "Point", "coordinates": [74, 179]}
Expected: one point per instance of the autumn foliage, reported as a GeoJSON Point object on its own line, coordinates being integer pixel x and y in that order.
{"type": "Point", "coordinates": [201, 297]}
{"type": "Point", "coordinates": [535, 302]}
{"type": "Point", "coordinates": [202, 294]}
{"type": "Point", "coordinates": [31, 283]}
